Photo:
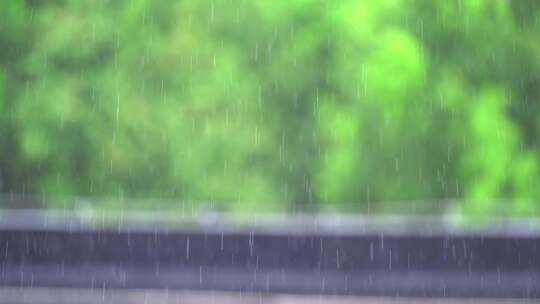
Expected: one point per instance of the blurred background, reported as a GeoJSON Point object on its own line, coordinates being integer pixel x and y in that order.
{"type": "Point", "coordinates": [393, 106]}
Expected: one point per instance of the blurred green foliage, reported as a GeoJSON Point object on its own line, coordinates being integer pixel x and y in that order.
{"type": "Point", "coordinates": [352, 106]}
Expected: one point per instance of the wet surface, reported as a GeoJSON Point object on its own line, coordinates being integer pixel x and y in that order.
{"type": "Point", "coordinates": [105, 296]}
